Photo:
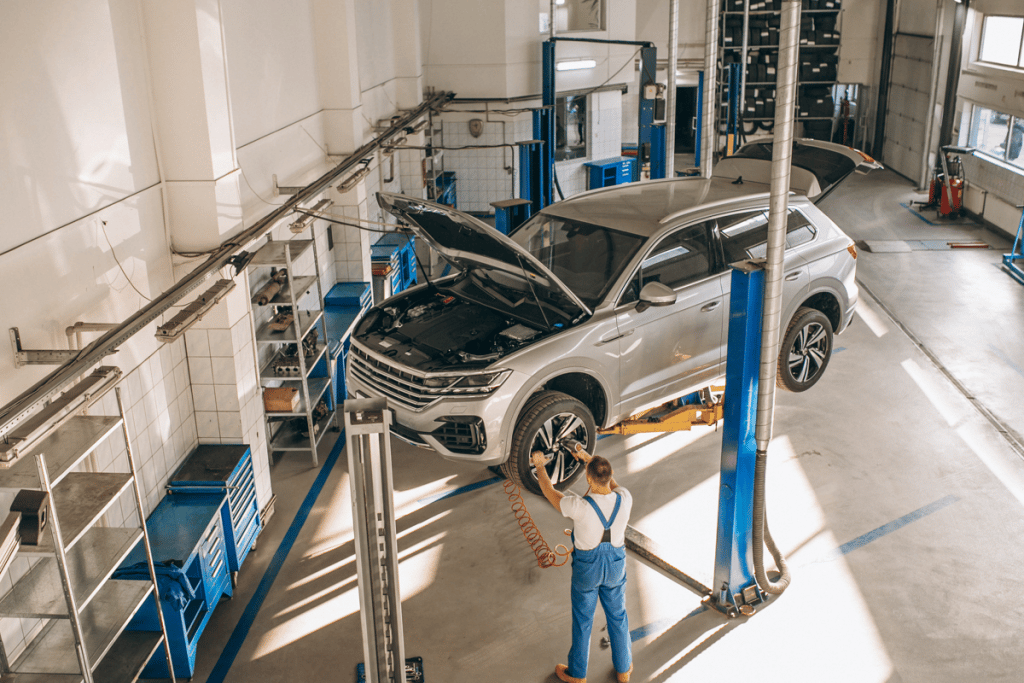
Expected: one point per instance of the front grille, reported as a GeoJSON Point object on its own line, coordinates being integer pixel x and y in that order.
{"type": "Point", "coordinates": [403, 386]}
{"type": "Point", "coordinates": [462, 435]}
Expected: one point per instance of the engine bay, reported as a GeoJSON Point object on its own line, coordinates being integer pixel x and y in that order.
{"type": "Point", "coordinates": [433, 330]}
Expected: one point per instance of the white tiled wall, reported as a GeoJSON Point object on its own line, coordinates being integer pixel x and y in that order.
{"type": "Point", "coordinates": [482, 175]}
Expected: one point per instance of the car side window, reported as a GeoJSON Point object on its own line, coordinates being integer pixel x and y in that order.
{"type": "Point", "coordinates": [679, 259]}
{"type": "Point", "coordinates": [745, 235]}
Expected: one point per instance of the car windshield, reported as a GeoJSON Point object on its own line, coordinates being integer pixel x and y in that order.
{"type": "Point", "coordinates": [587, 258]}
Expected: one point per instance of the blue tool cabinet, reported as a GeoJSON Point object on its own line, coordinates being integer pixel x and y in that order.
{"type": "Point", "coordinates": [187, 538]}
{"type": "Point", "coordinates": [445, 184]}
{"type": "Point", "coordinates": [228, 468]}
{"type": "Point", "coordinates": [345, 303]}
{"type": "Point", "coordinates": [608, 172]}
{"type": "Point", "coordinates": [393, 263]}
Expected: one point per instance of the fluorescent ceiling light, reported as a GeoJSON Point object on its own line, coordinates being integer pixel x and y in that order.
{"type": "Point", "coordinates": [574, 64]}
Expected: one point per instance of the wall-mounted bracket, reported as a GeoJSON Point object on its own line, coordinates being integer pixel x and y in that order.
{"type": "Point", "coordinates": [285, 189]}
{"type": "Point", "coordinates": [23, 357]}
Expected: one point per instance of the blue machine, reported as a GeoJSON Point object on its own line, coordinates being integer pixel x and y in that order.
{"type": "Point", "coordinates": [509, 214]}
{"type": "Point", "coordinates": [658, 151]}
{"type": "Point", "coordinates": [732, 125]}
{"type": "Point", "coordinates": [1010, 260]}
{"type": "Point", "coordinates": [698, 137]}
{"type": "Point", "coordinates": [608, 172]}
{"type": "Point", "coordinates": [734, 583]}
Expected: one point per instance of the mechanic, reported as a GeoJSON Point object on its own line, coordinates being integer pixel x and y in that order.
{"type": "Point", "coordinates": [598, 562]}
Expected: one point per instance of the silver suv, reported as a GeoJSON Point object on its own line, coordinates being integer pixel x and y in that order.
{"type": "Point", "coordinates": [600, 306]}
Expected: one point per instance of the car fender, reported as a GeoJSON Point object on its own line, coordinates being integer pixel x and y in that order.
{"type": "Point", "coordinates": [562, 367]}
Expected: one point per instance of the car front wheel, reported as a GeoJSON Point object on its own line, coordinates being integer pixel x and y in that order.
{"type": "Point", "coordinates": [549, 423]}
{"type": "Point", "coordinates": [805, 350]}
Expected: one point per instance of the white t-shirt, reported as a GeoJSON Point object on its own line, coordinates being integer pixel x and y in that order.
{"type": "Point", "coordinates": [587, 527]}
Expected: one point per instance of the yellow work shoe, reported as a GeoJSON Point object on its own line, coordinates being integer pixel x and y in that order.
{"type": "Point", "coordinates": [561, 671]}
{"type": "Point", "coordinates": [624, 677]}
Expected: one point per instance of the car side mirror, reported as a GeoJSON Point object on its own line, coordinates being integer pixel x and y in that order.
{"type": "Point", "coordinates": [655, 294]}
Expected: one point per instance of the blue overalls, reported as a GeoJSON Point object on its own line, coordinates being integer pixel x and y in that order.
{"type": "Point", "coordinates": [600, 572]}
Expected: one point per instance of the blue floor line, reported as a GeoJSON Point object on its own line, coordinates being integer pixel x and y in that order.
{"type": "Point", "coordinates": [245, 622]}
{"type": "Point", "coordinates": [1006, 359]}
{"type": "Point", "coordinates": [907, 207]}
{"type": "Point", "coordinates": [845, 549]}
{"type": "Point", "coordinates": [886, 529]}
{"type": "Point", "coordinates": [462, 489]}
{"type": "Point", "coordinates": [838, 350]}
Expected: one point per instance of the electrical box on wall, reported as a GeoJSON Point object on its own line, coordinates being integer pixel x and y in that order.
{"type": "Point", "coordinates": [650, 91]}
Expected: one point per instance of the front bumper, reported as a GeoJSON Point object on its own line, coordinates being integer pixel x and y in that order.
{"type": "Point", "coordinates": [452, 426]}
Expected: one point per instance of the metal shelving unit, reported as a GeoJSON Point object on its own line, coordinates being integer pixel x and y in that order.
{"type": "Point", "coordinates": [284, 435]}
{"type": "Point", "coordinates": [86, 612]}
{"type": "Point", "coordinates": [760, 91]}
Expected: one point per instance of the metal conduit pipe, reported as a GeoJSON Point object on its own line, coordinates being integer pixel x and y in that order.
{"type": "Point", "coordinates": [32, 398]}
{"type": "Point", "coordinates": [74, 332]}
{"type": "Point", "coordinates": [778, 217]}
{"type": "Point", "coordinates": [670, 98]}
{"type": "Point", "coordinates": [709, 131]}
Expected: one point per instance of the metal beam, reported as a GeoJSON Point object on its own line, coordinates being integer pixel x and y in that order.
{"type": "Point", "coordinates": [33, 397]}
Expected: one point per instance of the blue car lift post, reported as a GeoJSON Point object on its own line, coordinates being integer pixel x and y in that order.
{"type": "Point", "coordinates": [544, 119]}
{"type": "Point", "coordinates": [1010, 260]}
{"type": "Point", "coordinates": [736, 587]}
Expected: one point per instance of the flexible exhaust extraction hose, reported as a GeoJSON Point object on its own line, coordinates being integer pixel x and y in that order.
{"type": "Point", "coordinates": [778, 217]}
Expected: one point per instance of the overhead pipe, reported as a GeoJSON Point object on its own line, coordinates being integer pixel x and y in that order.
{"type": "Point", "coordinates": [710, 110]}
{"type": "Point", "coordinates": [670, 97]}
{"type": "Point", "coordinates": [778, 218]}
{"type": "Point", "coordinates": [74, 332]}
{"type": "Point", "coordinates": [29, 400]}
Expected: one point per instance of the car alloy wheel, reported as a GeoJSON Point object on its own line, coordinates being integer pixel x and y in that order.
{"type": "Point", "coordinates": [805, 350]}
{"type": "Point", "coordinates": [549, 423]}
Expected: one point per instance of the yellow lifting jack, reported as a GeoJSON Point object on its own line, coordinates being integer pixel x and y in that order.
{"type": "Point", "coordinates": [680, 415]}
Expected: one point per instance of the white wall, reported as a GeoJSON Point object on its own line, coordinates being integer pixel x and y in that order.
{"type": "Point", "coordinates": [131, 127]}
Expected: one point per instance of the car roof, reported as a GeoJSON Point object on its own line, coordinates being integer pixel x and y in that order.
{"type": "Point", "coordinates": [642, 208]}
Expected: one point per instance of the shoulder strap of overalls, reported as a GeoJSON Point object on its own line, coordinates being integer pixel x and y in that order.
{"type": "Point", "coordinates": [606, 523]}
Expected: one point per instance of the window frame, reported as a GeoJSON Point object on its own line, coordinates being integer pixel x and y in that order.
{"type": "Point", "coordinates": [1012, 121]}
{"type": "Point", "coordinates": [714, 259]}
{"type": "Point", "coordinates": [562, 111]}
{"type": "Point", "coordinates": [981, 42]}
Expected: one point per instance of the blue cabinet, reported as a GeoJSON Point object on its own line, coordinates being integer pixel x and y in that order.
{"type": "Point", "coordinates": [445, 189]}
{"type": "Point", "coordinates": [227, 468]}
{"type": "Point", "coordinates": [186, 534]}
{"type": "Point", "coordinates": [346, 302]}
{"type": "Point", "coordinates": [608, 172]}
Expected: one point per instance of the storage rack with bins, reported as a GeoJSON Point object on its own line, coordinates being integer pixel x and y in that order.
{"type": "Point", "coordinates": [346, 302]}
{"type": "Point", "coordinates": [817, 63]}
{"type": "Point", "coordinates": [393, 264]}
{"type": "Point", "coordinates": [287, 436]}
{"type": "Point", "coordinates": [70, 587]}
{"type": "Point", "coordinates": [227, 468]}
{"type": "Point", "coordinates": [188, 535]}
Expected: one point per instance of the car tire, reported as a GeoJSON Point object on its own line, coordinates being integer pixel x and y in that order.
{"type": "Point", "coordinates": [805, 350]}
{"type": "Point", "coordinates": [550, 414]}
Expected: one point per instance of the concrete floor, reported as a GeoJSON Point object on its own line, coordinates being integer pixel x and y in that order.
{"type": "Point", "coordinates": [897, 502]}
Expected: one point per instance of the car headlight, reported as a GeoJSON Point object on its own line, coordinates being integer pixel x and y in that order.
{"type": "Point", "coordinates": [490, 379]}
{"type": "Point", "coordinates": [438, 382]}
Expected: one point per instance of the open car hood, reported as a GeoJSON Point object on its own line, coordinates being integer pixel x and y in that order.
{"type": "Point", "coordinates": [818, 167]}
{"type": "Point", "coordinates": [467, 242]}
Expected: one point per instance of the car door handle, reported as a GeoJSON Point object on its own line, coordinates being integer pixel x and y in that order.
{"type": "Point", "coordinates": [711, 306]}
{"type": "Point", "coordinates": [609, 340]}
{"type": "Point", "coordinates": [792, 276]}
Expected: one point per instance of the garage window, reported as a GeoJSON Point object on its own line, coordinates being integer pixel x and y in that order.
{"type": "Point", "coordinates": [570, 127]}
{"type": "Point", "coordinates": [1001, 39]}
{"type": "Point", "coordinates": [995, 134]}
{"type": "Point", "coordinates": [573, 15]}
